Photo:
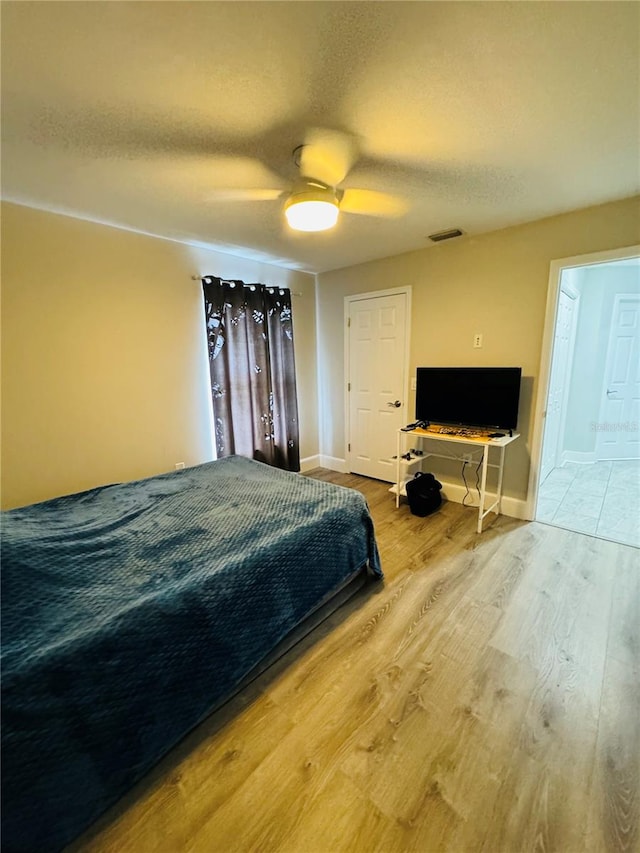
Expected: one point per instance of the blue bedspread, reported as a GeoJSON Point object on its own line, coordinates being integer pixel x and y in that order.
{"type": "Point", "coordinates": [130, 611]}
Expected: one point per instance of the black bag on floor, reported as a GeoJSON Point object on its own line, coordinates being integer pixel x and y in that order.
{"type": "Point", "coordinates": [423, 494]}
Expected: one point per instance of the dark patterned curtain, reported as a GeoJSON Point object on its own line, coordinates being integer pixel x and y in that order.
{"type": "Point", "coordinates": [253, 378]}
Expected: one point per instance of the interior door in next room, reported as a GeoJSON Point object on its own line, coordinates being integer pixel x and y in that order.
{"type": "Point", "coordinates": [618, 435]}
{"type": "Point", "coordinates": [377, 381]}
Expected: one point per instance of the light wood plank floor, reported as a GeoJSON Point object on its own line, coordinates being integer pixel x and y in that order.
{"type": "Point", "coordinates": [486, 697]}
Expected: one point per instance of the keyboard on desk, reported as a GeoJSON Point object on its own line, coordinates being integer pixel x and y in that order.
{"type": "Point", "coordinates": [461, 431]}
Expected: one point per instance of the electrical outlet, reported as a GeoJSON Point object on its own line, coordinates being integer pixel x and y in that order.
{"type": "Point", "coordinates": [467, 457]}
{"type": "Point", "coordinates": [179, 466]}
{"type": "Point", "coordinates": [477, 340]}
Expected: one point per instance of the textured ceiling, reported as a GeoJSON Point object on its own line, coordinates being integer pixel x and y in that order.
{"type": "Point", "coordinates": [481, 115]}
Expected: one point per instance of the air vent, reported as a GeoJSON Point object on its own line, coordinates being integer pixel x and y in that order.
{"type": "Point", "coordinates": [446, 235]}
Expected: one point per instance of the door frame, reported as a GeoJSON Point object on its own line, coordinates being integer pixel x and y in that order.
{"type": "Point", "coordinates": [556, 268]}
{"type": "Point", "coordinates": [357, 297]}
{"type": "Point", "coordinates": [607, 366]}
{"type": "Point", "coordinates": [574, 294]}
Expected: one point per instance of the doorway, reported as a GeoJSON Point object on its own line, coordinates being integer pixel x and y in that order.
{"type": "Point", "coordinates": [590, 455]}
{"type": "Point", "coordinates": [376, 355]}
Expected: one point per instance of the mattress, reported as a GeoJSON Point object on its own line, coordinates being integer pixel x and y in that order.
{"type": "Point", "coordinates": [129, 612]}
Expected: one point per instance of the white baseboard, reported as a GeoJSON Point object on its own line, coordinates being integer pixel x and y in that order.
{"type": "Point", "coordinates": [333, 463]}
{"type": "Point", "coordinates": [513, 507]}
{"type": "Point", "coordinates": [309, 463]}
{"type": "Point", "coordinates": [580, 456]}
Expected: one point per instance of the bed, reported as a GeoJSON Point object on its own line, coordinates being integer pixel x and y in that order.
{"type": "Point", "coordinates": [131, 612]}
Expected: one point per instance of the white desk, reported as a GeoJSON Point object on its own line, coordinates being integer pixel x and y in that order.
{"type": "Point", "coordinates": [405, 468]}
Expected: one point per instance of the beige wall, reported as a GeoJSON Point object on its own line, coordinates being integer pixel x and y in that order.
{"type": "Point", "coordinates": [495, 283]}
{"type": "Point", "coordinates": [104, 371]}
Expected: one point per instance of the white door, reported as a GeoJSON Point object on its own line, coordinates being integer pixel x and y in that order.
{"type": "Point", "coordinates": [618, 436]}
{"type": "Point", "coordinates": [559, 382]}
{"type": "Point", "coordinates": [377, 406]}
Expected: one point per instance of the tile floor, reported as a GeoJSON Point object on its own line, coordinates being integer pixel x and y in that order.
{"type": "Point", "coordinates": [602, 499]}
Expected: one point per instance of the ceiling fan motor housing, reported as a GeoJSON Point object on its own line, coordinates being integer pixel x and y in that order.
{"type": "Point", "coordinates": [309, 189]}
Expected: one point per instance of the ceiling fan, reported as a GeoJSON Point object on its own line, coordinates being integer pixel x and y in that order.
{"type": "Point", "coordinates": [315, 200]}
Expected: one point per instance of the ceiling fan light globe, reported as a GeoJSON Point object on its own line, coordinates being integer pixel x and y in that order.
{"type": "Point", "coordinates": [311, 214]}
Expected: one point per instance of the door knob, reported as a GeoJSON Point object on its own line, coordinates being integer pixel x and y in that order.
{"type": "Point", "coordinates": [395, 405]}
{"type": "Point", "coordinates": [611, 391]}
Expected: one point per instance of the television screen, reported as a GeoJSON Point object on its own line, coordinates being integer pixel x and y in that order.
{"type": "Point", "coordinates": [469, 396]}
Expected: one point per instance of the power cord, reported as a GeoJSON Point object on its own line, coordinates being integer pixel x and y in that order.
{"type": "Point", "coordinates": [466, 485]}
{"type": "Point", "coordinates": [464, 480]}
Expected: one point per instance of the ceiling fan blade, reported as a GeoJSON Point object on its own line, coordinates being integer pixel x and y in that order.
{"type": "Point", "coordinates": [327, 155]}
{"type": "Point", "coordinates": [243, 194]}
{"type": "Point", "coordinates": [372, 203]}
{"type": "Point", "coordinates": [241, 179]}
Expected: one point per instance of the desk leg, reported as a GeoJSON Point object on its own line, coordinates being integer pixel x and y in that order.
{"type": "Point", "coordinates": [483, 486]}
{"type": "Point", "coordinates": [500, 470]}
{"type": "Point", "coordinates": [398, 443]}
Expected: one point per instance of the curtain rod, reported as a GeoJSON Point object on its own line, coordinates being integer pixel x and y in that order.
{"type": "Point", "coordinates": [293, 292]}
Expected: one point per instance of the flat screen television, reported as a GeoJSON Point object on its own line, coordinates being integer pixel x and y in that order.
{"type": "Point", "coordinates": [469, 396]}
